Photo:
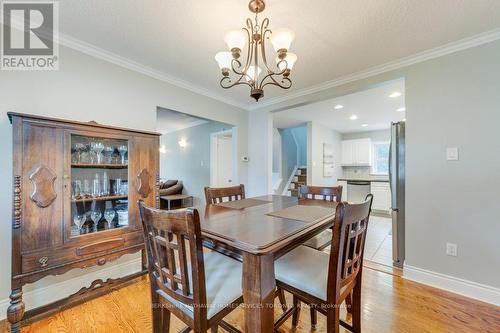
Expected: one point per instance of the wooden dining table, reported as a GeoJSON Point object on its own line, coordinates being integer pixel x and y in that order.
{"type": "Point", "coordinates": [260, 239]}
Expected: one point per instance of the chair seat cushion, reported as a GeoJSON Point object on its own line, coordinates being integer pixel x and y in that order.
{"type": "Point", "coordinates": [223, 284]}
{"type": "Point", "coordinates": [305, 269]}
{"type": "Point", "coordinates": [320, 241]}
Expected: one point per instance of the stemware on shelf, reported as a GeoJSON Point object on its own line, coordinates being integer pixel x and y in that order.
{"type": "Point", "coordinates": [109, 215]}
{"type": "Point", "coordinates": [105, 184]}
{"type": "Point", "coordinates": [97, 147]}
{"type": "Point", "coordinates": [123, 150]}
{"type": "Point", "coordinates": [95, 216]}
{"type": "Point", "coordinates": [86, 193]}
{"type": "Point", "coordinates": [108, 154]}
{"type": "Point", "coordinates": [79, 220]}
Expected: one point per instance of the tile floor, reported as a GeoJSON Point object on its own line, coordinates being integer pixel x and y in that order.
{"type": "Point", "coordinates": [378, 245]}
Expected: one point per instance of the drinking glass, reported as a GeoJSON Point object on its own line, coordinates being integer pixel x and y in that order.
{"type": "Point", "coordinates": [96, 187]}
{"type": "Point", "coordinates": [109, 215]}
{"type": "Point", "coordinates": [79, 220]}
{"type": "Point", "coordinates": [86, 188]}
{"type": "Point", "coordinates": [123, 150]}
{"type": "Point", "coordinates": [95, 216]}
{"type": "Point", "coordinates": [98, 147]}
{"type": "Point", "coordinates": [108, 154]}
{"type": "Point", "coordinates": [77, 189]}
{"type": "Point", "coordinates": [105, 184]}
{"type": "Point", "coordinates": [79, 149]}
{"type": "Point", "coordinates": [118, 186]}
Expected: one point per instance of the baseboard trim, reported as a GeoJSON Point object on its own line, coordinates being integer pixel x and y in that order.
{"type": "Point", "coordinates": [57, 291]}
{"type": "Point", "coordinates": [453, 284]}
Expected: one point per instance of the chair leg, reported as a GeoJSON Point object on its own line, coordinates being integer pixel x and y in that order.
{"type": "Point", "coordinates": [333, 320]}
{"type": "Point", "coordinates": [161, 319]}
{"type": "Point", "coordinates": [348, 303]}
{"type": "Point", "coordinates": [214, 329]}
{"type": "Point", "coordinates": [281, 297]}
{"type": "Point", "coordinates": [356, 308]}
{"type": "Point", "coordinates": [296, 312]}
{"type": "Point", "coordinates": [314, 318]}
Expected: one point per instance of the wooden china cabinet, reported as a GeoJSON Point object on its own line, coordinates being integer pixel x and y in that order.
{"type": "Point", "coordinates": [76, 186]}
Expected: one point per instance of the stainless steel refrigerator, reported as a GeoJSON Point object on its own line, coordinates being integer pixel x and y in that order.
{"type": "Point", "coordinates": [397, 183]}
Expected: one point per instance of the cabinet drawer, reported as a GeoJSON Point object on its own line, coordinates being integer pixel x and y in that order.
{"type": "Point", "coordinates": [44, 259]}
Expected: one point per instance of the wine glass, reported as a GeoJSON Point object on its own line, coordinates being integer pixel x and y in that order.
{"type": "Point", "coordinates": [98, 147]}
{"type": "Point", "coordinates": [109, 215]}
{"type": "Point", "coordinates": [79, 149]}
{"type": "Point", "coordinates": [108, 153]}
{"type": "Point", "coordinates": [95, 216]}
{"type": "Point", "coordinates": [123, 150]}
{"type": "Point", "coordinates": [79, 220]}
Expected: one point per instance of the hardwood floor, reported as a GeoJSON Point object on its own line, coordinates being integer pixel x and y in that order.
{"type": "Point", "coordinates": [390, 304]}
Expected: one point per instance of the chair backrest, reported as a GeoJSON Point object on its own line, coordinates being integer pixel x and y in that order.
{"type": "Point", "coordinates": [326, 193]}
{"type": "Point", "coordinates": [215, 195]}
{"type": "Point", "coordinates": [348, 243]}
{"type": "Point", "coordinates": [166, 234]}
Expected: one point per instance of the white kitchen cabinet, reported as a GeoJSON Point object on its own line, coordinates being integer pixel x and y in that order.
{"type": "Point", "coordinates": [357, 152]}
{"type": "Point", "coordinates": [381, 196]}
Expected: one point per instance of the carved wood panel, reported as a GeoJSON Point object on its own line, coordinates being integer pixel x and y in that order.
{"type": "Point", "coordinates": [43, 193]}
{"type": "Point", "coordinates": [16, 213]}
{"type": "Point", "coordinates": [143, 187]}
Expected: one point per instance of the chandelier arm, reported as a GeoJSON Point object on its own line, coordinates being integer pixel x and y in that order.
{"type": "Point", "coordinates": [238, 82]}
{"type": "Point", "coordinates": [248, 30]}
{"type": "Point", "coordinates": [233, 61]}
{"type": "Point", "coordinates": [276, 83]}
{"type": "Point", "coordinates": [263, 33]}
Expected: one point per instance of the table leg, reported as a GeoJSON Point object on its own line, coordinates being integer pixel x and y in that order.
{"type": "Point", "coordinates": [258, 292]}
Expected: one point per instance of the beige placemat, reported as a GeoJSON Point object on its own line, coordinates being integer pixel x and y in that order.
{"type": "Point", "coordinates": [303, 213]}
{"type": "Point", "coordinates": [241, 204]}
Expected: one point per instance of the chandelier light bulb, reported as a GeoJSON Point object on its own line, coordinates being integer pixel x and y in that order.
{"type": "Point", "coordinates": [290, 58]}
{"type": "Point", "coordinates": [235, 39]}
{"type": "Point", "coordinates": [282, 39]}
{"type": "Point", "coordinates": [251, 73]}
{"type": "Point", "coordinates": [224, 59]}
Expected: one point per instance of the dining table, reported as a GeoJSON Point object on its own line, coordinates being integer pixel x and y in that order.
{"type": "Point", "coordinates": [259, 230]}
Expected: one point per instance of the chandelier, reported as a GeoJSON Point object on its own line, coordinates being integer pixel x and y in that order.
{"type": "Point", "coordinates": [248, 71]}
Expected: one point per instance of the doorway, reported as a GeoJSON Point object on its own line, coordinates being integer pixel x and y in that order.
{"type": "Point", "coordinates": [221, 159]}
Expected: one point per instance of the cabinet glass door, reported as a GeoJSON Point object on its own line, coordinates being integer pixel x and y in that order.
{"type": "Point", "coordinates": [99, 184]}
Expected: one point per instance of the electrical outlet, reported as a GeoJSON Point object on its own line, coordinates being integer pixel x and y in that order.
{"type": "Point", "coordinates": [451, 249]}
{"type": "Point", "coordinates": [452, 154]}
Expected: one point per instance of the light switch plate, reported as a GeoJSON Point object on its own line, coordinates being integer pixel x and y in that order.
{"type": "Point", "coordinates": [451, 249]}
{"type": "Point", "coordinates": [452, 154]}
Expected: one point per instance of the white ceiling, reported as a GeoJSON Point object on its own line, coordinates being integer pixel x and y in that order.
{"type": "Point", "coordinates": [373, 107]}
{"type": "Point", "coordinates": [170, 121]}
{"type": "Point", "coordinates": [334, 38]}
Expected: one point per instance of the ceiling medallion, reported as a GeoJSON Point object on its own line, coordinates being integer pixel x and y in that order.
{"type": "Point", "coordinates": [250, 69]}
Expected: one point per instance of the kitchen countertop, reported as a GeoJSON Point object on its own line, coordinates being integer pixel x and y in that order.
{"type": "Point", "coordinates": [365, 180]}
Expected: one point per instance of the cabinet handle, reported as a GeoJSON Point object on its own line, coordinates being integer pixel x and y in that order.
{"type": "Point", "coordinates": [43, 261]}
{"type": "Point", "coordinates": [101, 261]}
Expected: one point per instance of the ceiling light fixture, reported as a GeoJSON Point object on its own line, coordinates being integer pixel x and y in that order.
{"type": "Point", "coordinates": [364, 125]}
{"type": "Point", "coordinates": [248, 71]}
{"type": "Point", "coordinates": [338, 107]}
{"type": "Point", "coordinates": [395, 94]}
{"type": "Point", "coordinates": [353, 117]}
{"type": "Point", "coordinates": [401, 110]}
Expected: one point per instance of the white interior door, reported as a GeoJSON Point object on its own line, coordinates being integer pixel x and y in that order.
{"type": "Point", "coordinates": [224, 161]}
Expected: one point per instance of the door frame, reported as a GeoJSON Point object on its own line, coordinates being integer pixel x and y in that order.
{"type": "Point", "coordinates": [213, 159]}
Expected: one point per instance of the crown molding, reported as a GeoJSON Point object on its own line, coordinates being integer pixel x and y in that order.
{"type": "Point", "coordinates": [437, 52]}
{"type": "Point", "coordinates": [116, 59]}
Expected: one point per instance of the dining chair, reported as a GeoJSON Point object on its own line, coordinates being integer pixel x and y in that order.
{"type": "Point", "coordinates": [214, 195]}
{"type": "Point", "coordinates": [322, 240]}
{"type": "Point", "coordinates": [326, 280]}
{"type": "Point", "coordinates": [198, 288]}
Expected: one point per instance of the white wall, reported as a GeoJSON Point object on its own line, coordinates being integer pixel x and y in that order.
{"type": "Point", "coordinates": [84, 89]}
{"type": "Point", "coordinates": [190, 164]}
{"type": "Point", "coordinates": [317, 135]}
{"type": "Point", "coordinates": [451, 101]}
{"type": "Point", "coordinates": [260, 138]}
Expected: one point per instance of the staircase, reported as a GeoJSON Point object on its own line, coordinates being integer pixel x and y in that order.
{"type": "Point", "coordinates": [299, 179]}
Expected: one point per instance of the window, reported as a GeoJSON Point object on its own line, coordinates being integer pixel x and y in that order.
{"type": "Point", "coordinates": [381, 158]}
